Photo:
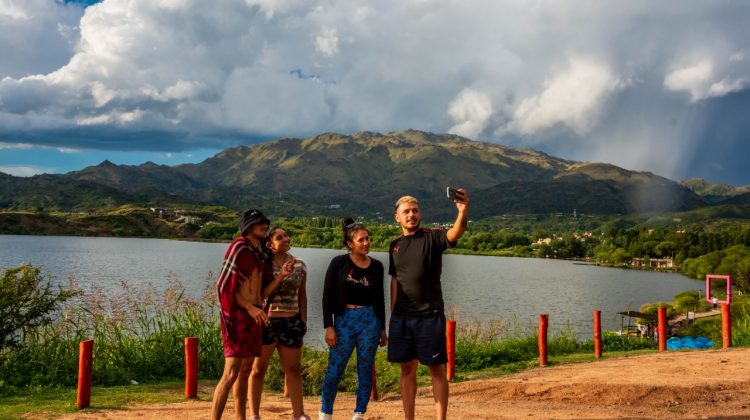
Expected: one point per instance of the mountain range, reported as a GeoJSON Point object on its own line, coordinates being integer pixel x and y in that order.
{"type": "Point", "coordinates": [364, 173]}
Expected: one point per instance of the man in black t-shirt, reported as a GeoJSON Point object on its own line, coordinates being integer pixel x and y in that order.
{"type": "Point", "coordinates": [417, 325]}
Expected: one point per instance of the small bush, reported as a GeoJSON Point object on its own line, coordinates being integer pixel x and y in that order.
{"type": "Point", "coordinates": [27, 301]}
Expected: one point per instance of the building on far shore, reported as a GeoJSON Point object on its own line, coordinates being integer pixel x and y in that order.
{"type": "Point", "coordinates": [659, 263]}
{"type": "Point", "coordinates": [188, 219]}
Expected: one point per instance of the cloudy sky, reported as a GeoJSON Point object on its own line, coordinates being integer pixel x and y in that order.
{"type": "Point", "coordinates": [646, 85]}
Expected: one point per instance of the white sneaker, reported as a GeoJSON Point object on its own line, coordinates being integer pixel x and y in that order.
{"type": "Point", "coordinates": [358, 416]}
{"type": "Point", "coordinates": [324, 416]}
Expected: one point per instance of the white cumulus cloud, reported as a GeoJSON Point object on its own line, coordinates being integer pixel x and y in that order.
{"type": "Point", "coordinates": [727, 86]}
{"type": "Point", "coordinates": [38, 36]}
{"type": "Point", "coordinates": [694, 79]}
{"type": "Point", "coordinates": [25, 171]}
{"type": "Point", "coordinates": [327, 42]}
{"type": "Point", "coordinates": [15, 146]}
{"type": "Point", "coordinates": [470, 111]}
{"type": "Point", "coordinates": [180, 74]}
{"type": "Point", "coordinates": [704, 80]}
{"type": "Point", "coordinates": [573, 97]}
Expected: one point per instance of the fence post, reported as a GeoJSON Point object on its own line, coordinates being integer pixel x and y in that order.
{"type": "Point", "coordinates": [85, 353]}
{"type": "Point", "coordinates": [726, 326]}
{"type": "Point", "coordinates": [191, 367]}
{"type": "Point", "coordinates": [597, 333]}
{"type": "Point", "coordinates": [662, 318]}
{"type": "Point", "coordinates": [543, 321]}
{"type": "Point", "coordinates": [450, 336]}
{"type": "Point", "coordinates": [374, 393]}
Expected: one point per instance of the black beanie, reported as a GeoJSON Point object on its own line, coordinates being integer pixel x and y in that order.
{"type": "Point", "coordinates": [250, 218]}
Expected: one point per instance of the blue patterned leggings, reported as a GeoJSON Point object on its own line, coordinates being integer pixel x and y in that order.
{"type": "Point", "coordinates": [355, 328]}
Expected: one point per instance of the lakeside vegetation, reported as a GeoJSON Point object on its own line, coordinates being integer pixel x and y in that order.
{"type": "Point", "coordinates": [138, 337]}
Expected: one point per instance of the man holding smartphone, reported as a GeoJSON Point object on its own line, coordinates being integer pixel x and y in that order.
{"type": "Point", "coordinates": [417, 325]}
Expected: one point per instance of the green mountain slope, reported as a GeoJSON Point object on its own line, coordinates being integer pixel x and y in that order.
{"type": "Point", "coordinates": [714, 193]}
{"type": "Point", "coordinates": [55, 191]}
{"type": "Point", "coordinates": [364, 173]}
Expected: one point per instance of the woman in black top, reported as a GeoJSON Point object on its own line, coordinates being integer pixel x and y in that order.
{"type": "Point", "coordinates": [353, 316]}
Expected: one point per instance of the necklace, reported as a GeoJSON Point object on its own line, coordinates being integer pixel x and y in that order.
{"type": "Point", "coordinates": [276, 265]}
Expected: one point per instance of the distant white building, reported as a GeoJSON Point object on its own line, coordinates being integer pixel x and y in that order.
{"type": "Point", "coordinates": [162, 212]}
{"type": "Point", "coordinates": [652, 262]}
{"type": "Point", "coordinates": [189, 219]}
{"type": "Point", "coordinates": [545, 241]}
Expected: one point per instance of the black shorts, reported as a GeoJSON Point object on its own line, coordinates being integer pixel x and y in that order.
{"type": "Point", "coordinates": [287, 332]}
{"type": "Point", "coordinates": [417, 338]}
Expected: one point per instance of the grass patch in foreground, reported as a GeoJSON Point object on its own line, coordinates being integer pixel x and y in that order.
{"type": "Point", "coordinates": [48, 402]}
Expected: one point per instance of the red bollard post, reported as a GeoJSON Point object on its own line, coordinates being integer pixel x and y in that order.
{"type": "Point", "coordinates": [191, 367]}
{"type": "Point", "coordinates": [85, 353]}
{"type": "Point", "coordinates": [726, 326]}
{"type": "Point", "coordinates": [597, 334]}
{"type": "Point", "coordinates": [450, 337]}
{"type": "Point", "coordinates": [543, 321]}
{"type": "Point", "coordinates": [662, 319]}
{"type": "Point", "coordinates": [374, 393]}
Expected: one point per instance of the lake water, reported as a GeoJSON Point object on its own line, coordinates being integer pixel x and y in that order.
{"type": "Point", "coordinates": [487, 288]}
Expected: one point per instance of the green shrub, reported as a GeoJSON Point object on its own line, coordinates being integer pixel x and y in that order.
{"type": "Point", "coordinates": [612, 342]}
{"type": "Point", "coordinates": [741, 328]}
{"type": "Point", "coordinates": [27, 301]}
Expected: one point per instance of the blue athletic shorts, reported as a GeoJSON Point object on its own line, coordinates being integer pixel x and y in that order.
{"type": "Point", "coordinates": [417, 338]}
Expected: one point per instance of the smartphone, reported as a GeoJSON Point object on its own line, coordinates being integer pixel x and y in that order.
{"type": "Point", "coordinates": [452, 193]}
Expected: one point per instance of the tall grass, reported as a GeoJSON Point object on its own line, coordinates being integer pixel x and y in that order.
{"type": "Point", "coordinates": [488, 344]}
{"type": "Point", "coordinates": [741, 328]}
{"type": "Point", "coordinates": [138, 336]}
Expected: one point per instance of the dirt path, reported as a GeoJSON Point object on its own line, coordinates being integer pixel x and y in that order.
{"type": "Point", "coordinates": [685, 385]}
{"type": "Point", "coordinates": [682, 317]}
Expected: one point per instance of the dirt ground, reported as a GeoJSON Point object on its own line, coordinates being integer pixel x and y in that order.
{"type": "Point", "coordinates": [686, 385]}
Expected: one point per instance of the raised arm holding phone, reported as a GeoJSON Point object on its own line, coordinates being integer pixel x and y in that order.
{"type": "Point", "coordinates": [417, 325]}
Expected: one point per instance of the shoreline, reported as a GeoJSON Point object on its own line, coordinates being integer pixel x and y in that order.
{"type": "Point", "coordinates": [450, 251]}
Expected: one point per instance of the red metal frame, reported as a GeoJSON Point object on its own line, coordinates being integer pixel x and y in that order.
{"type": "Point", "coordinates": [710, 277]}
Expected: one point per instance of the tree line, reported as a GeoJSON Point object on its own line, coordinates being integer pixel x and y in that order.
{"type": "Point", "coordinates": [698, 251]}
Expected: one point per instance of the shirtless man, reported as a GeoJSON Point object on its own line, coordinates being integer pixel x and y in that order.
{"type": "Point", "coordinates": [242, 316]}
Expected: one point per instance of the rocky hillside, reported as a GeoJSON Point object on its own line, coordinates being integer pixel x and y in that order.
{"type": "Point", "coordinates": [364, 173]}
